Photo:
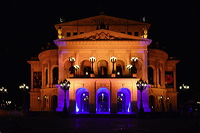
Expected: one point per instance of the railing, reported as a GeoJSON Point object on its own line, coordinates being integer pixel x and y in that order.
{"type": "Point", "coordinates": [103, 76]}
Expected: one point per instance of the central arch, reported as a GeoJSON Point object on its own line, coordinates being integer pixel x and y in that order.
{"type": "Point", "coordinates": [103, 101]}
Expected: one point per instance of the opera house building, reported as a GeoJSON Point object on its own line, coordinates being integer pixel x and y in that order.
{"type": "Point", "coordinates": [103, 58]}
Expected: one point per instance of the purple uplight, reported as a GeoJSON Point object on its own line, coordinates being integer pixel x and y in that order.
{"type": "Point", "coordinates": [145, 97]}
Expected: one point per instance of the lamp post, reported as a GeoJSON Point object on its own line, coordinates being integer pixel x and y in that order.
{"type": "Point", "coordinates": [71, 69]}
{"type": "Point", "coordinates": [184, 93]}
{"type": "Point", "coordinates": [129, 68]}
{"type": "Point", "coordinates": [65, 85]}
{"type": "Point", "coordinates": [113, 60]}
{"type": "Point", "coordinates": [134, 59]}
{"type": "Point", "coordinates": [134, 69]}
{"type": "Point", "coordinates": [141, 85]}
{"type": "Point", "coordinates": [24, 88]}
{"type": "Point", "coordinates": [2, 91]}
{"type": "Point", "coordinates": [185, 87]}
{"type": "Point", "coordinates": [72, 60]}
{"type": "Point", "coordinates": [92, 60]}
{"type": "Point", "coordinates": [76, 68]}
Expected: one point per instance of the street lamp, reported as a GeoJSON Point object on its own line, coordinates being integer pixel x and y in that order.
{"type": "Point", "coordinates": [134, 59]}
{"type": "Point", "coordinates": [76, 68]}
{"type": "Point", "coordinates": [141, 85]}
{"type": "Point", "coordinates": [24, 88]}
{"type": "Point", "coordinates": [65, 85]}
{"type": "Point", "coordinates": [113, 60]}
{"type": "Point", "coordinates": [71, 69]}
{"type": "Point", "coordinates": [129, 67]}
{"type": "Point", "coordinates": [72, 60]}
{"type": "Point", "coordinates": [184, 96]}
{"type": "Point", "coordinates": [134, 69]}
{"type": "Point", "coordinates": [92, 60]}
{"type": "Point", "coordinates": [185, 87]}
{"type": "Point", "coordinates": [2, 91]}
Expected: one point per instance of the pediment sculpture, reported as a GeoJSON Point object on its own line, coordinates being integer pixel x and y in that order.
{"type": "Point", "coordinates": [102, 36]}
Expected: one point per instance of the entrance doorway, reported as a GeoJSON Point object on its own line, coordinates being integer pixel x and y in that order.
{"type": "Point", "coordinates": [103, 101]}
{"type": "Point", "coordinates": [121, 100]}
{"type": "Point", "coordinates": [124, 101]}
{"type": "Point", "coordinates": [82, 100]}
{"type": "Point", "coordinates": [54, 102]}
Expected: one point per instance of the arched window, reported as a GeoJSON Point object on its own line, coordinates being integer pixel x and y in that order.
{"type": "Point", "coordinates": [150, 75]}
{"type": "Point", "coordinates": [87, 71]}
{"type": "Point", "coordinates": [119, 71]}
{"type": "Point", "coordinates": [102, 68]}
{"type": "Point", "coordinates": [159, 76]}
{"type": "Point", "coordinates": [102, 71]}
{"type": "Point", "coordinates": [55, 75]}
{"type": "Point", "coordinates": [120, 68]}
{"type": "Point", "coordinates": [133, 70]}
{"type": "Point", "coordinates": [54, 102]}
{"type": "Point", "coordinates": [46, 72]}
{"type": "Point", "coordinates": [72, 70]}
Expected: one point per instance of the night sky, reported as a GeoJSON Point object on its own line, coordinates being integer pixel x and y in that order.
{"type": "Point", "coordinates": [27, 26]}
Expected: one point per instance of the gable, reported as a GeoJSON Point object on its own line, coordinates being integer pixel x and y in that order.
{"type": "Point", "coordinates": [102, 19]}
{"type": "Point", "coordinates": [103, 34]}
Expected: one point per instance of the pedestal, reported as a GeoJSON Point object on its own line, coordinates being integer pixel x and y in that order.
{"type": "Point", "coordinates": [92, 75]}
{"type": "Point", "coordinates": [134, 75]}
{"type": "Point", "coordinates": [113, 75]}
{"type": "Point", "coordinates": [71, 75]}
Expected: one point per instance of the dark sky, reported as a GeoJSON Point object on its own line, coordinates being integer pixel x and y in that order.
{"type": "Point", "coordinates": [26, 26]}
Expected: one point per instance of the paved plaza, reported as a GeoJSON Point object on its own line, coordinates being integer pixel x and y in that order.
{"type": "Point", "coordinates": [58, 124]}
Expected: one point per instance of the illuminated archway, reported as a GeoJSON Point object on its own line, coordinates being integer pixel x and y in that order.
{"type": "Point", "coordinates": [103, 101]}
{"type": "Point", "coordinates": [82, 100]}
{"type": "Point", "coordinates": [124, 100]}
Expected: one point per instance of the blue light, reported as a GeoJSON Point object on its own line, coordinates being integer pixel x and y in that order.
{"type": "Point", "coordinates": [82, 95]}
{"type": "Point", "coordinates": [125, 95]}
{"type": "Point", "coordinates": [103, 101]}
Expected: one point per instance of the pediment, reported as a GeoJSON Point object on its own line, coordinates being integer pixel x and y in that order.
{"type": "Point", "coordinates": [103, 19]}
{"type": "Point", "coordinates": [103, 34]}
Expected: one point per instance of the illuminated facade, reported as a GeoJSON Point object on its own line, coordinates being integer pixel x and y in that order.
{"type": "Point", "coordinates": [103, 57]}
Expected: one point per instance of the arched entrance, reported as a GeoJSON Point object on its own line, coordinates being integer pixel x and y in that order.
{"type": "Point", "coordinates": [82, 100]}
{"type": "Point", "coordinates": [123, 100]}
{"type": "Point", "coordinates": [152, 103]}
{"type": "Point", "coordinates": [103, 101]}
{"type": "Point", "coordinates": [44, 102]}
{"type": "Point", "coordinates": [54, 102]}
